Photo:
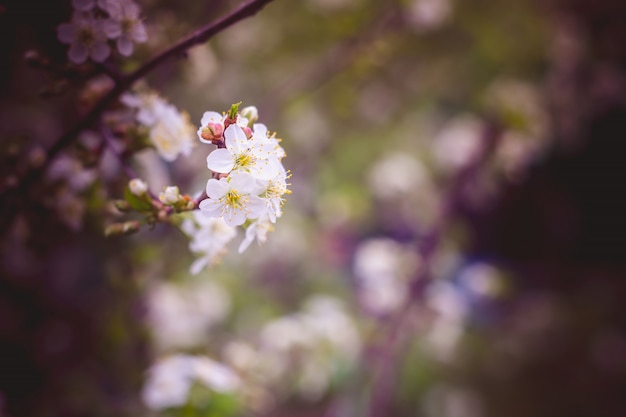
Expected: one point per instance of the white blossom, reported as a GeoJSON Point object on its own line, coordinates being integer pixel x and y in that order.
{"type": "Point", "coordinates": [209, 237]}
{"type": "Point", "coordinates": [171, 195]}
{"type": "Point", "coordinates": [211, 127]}
{"type": "Point", "coordinates": [170, 380]}
{"type": "Point", "coordinates": [182, 316]}
{"type": "Point", "coordinates": [261, 135]}
{"type": "Point", "coordinates": [382, 267]}
{"type": "Point", "coordinates": [256, 230]}
{"type": "Point", "coordinates": [171, 132]}
{"type": "Point", "coordinates": [234, 198]}
{"type": "Point", "coordinates": [168, 383]}
{"type": "Point", "coordinates": [251, 113]}
{"type": "Point", "coordinates": [272, 192]}
{"type": "Point", "coordinates": [137, 187]}
{"type": "Point", "coordinates": [241, 154]}
{"type": "Point", "coordinates": [216, 376]}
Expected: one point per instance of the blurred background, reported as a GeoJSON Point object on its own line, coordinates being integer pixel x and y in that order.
{"type": "Point", "coordinates": [454, 244]}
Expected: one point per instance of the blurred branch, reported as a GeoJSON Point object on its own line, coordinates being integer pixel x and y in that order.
{"type": "Point", "coordinates": [382, 388]}
{"type": "Point", "coordinates": [124, 82]}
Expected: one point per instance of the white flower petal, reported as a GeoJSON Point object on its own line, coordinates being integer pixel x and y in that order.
{"type": "Point", "coordinates": [243, 182]}
{"type": "Point", "coordinates": [220, 160]}
{"type": "Point", "coordinates": [247, 240]}
{"type": "Point", "coordinates": [198, 265]}
{"type": "Point", "coordinates": [257, 207]}
{"type": "Point", "coordinates": [211, 208]}
{"type": "Point", "coordinates": [235, 217]}
{"type": "Point", "coordinates": [267, 169]}
{"type": "Point", "coordinates": [210, 117]}
{"type": "Point", "coordinates": [260, 130]}
{"type": "Point", "coordinates": [216, 189]}
{"type": "Point", "coordinates": [236, 140]}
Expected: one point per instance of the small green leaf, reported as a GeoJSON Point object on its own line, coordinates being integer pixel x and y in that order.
{"type": "Point", "coordinates": [139, 203]}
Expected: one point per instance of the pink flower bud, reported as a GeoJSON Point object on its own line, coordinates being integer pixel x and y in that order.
{"type": "Point", "coordinates": [213, 131]}
{"type": "Point", "coordinates": [247, 131]}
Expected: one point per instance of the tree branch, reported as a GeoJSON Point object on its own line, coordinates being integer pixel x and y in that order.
{"type": "Point", "coordinates": [123, 83]}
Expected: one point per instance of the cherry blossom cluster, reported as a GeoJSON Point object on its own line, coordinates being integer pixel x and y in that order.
{"type": "Point", "coordinates": [96, 22]}
{"type": "Point", "coordinates": [247, 187]}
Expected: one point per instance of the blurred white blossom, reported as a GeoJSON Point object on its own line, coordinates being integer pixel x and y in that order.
{"type": "Point", "coordinates": [182, 316]}
{"type": "Point", "coordinates": [458, 143]}
{"type": "Point", "coordinates": [137, 186]}
{"type": "Point", "coordinates": [170, 130]}
{"type": "Point", "coordinates": [382, 268]}
{"type": "Point", "coordinates": [208, 239]}
{"type": "Point", "coordinates": [169, 380]}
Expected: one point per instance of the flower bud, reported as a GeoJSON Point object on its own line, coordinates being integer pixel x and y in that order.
{"type": "Point", "coordinates": [213, 131]}
{"type": "Point", "coordinates": [118, 229]}
{"type": "Point", "coordinates": [251, 113]}
{"type": "Point", "coordinates": [170, 196]}
{"type": "Point", "coordinates": [122, 205]}
{"type": "Point", "coordinates": [247, 131]}
{"type": "Point", "coordinates": [137, 187]}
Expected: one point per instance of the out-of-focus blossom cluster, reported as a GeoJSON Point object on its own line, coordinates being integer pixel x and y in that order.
{"type": "Point", "coordinates": [170, 380]}
{"type": "Point", "coordinates": [169, 130]}
{"type": "Point", "coordinates": [383, 269]}
{"type": "Point", "coordinates": [95, 23]}
{"type": "Point", "coordinates": [304, 352]}
{"type": "Point", "coordinates": [182, 316]}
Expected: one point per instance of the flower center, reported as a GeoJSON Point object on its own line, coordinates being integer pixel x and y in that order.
{"type": "Point", "coordinates": [127, 25]}
{"type": "Point", "coordinates": [243, 160]}
{"type": "Point", "coordinates": [86, 37]}
{"type": "Point", "coordinates": [233, 199]}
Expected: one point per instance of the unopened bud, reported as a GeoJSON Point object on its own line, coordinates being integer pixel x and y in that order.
{"type": "Point", "coordinates": [251, 113]}
{"type": "Point", "coordinates": [247, 131]}
{"type": "Point", "coordinates": [137, 187]}
{"type": "Point", "coordinates": [122, 205]}
{"type": "Point", "coordinates": [119, 229]}
{"type": "Point", "coordinates": [213, 131]}
{"type": "Point", "coordinates": [170, 196]}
